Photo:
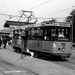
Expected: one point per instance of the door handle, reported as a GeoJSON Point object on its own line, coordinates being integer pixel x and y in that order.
{"type": "Point", "coordinates": [38, 44]}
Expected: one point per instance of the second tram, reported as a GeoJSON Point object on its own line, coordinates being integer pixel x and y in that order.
{"type": "Point", "coordinates": [17, 41]}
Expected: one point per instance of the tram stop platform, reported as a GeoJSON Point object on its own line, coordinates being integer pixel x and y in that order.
{"type": "Point", "coordinates": [41, 67]}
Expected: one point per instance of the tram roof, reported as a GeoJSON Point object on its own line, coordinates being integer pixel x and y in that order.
{"type": "Point", "coordinates": [61, 24]}
{"type": "Point", "coordinates": [15, 23]}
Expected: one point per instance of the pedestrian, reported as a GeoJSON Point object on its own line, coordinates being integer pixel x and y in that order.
{"type": "Point", "coordinates": [4, 42]}
{"type": "Point", "coordinates": [24, 40]}
{"type": "Point", "coordinates": [0, 42]}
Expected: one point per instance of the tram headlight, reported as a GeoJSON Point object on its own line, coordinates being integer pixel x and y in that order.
{"type": "Point", "coordinates": [54, 45]}
{"type": "Point", "coordinates": [63, 49]}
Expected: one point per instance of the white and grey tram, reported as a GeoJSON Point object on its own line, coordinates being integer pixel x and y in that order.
{"type": "Point", "coordinates": [53, 39]}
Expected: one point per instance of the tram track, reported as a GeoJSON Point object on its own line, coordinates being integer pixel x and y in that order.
{"type": "Point", "coordinates": [3, 73]}
{"type": "Point", "coordinates": [6, 68]}
{"type": "Point", "coordinates": [70, 63]}
{"type": "Point", "coordinates": [18, 66]}
{"type": "Point", "coordinates": [67, 62]}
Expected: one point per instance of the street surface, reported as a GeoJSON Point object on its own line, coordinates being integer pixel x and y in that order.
{"type": "Point", "coordinates": [7, 68]}
{"type": "Point", "coordinates": [11, 69]}
{"type": "Point", "coordinates": [12, 64]}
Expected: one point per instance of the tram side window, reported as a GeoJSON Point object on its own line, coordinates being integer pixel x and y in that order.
{"type": "Point", "coordinates": [67, 33]}
{"type": "Point", "coordinates": [15, 34]}
{"type": "Point", "coordinates": [29, 34]}
{"type": "Point", "coordinates": [39, 33]}
{"type": "Point", "coordinates": [22, 33]}
{"type": "Point", "coordinates": [32, 34]}
{"type": "Point", "coordinates": [35, 34]}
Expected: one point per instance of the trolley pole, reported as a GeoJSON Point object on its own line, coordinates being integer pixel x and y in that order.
{"type": "Point", "coordinates": [28, 17]}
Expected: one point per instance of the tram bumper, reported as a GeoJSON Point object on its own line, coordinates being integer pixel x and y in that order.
{"type": "Point", "coordinates": [64, 55]}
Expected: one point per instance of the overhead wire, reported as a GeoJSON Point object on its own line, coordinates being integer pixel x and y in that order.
{"type": "Point", "coordinates": [58, 11]}
{"type": "Point", "coordinates": [50, 18]}
{"type": "Point", "coordinates": [44, 15]}
{"type": "Point", "coordinates": [11, 16]}
{"type": "Point", "coordinates": [39, 5]}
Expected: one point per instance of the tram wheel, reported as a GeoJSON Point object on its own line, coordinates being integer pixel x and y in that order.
{"type": "Point", "coordinates": [51, 56]}
{"type": "Point", "coordinates": [35, 55]}
{"type": "Point", "coordinates": [15, 50]}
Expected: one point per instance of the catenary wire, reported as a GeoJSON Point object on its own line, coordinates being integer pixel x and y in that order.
{"type": "Point", "coordinates": [58, 11]}
{"type": "Point", "coordinates": [39, 5]}
{"type": "Point", "coordinates": [41, 16]}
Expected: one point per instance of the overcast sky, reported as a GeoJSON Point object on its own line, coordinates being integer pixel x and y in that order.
{"type": "Point", "coordinates": [41, 8]}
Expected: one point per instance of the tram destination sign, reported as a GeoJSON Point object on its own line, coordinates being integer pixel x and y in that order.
{"type": "Point", "coordinates": [63, 24]}
{"type": "Point", "coordinates": [66, 24]}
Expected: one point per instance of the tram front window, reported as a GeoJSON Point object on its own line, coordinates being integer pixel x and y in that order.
{"type": "Point", "coordinates": [54, 33]}
{"type": "Point", "coordinates": [60, 33]}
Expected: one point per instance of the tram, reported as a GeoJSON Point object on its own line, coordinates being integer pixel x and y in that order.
{"type": "Point", "coordinates": [50, 39]}
{"type": "Point", "coordinates": [17, 42]}
{"type": "Point", "coordinates": [44, 39]}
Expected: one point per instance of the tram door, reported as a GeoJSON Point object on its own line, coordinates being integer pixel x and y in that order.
{"type": "Point", "coordinates": [14, 39]}
{"type": "Point", "coordinates": [47, 44]}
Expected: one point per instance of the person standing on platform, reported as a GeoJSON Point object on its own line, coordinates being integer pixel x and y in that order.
{"type": "Point", "coordinates": [4, 42]}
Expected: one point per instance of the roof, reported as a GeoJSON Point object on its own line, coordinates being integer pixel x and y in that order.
{"type": "Point", "coordinates": [61, 24]}
{"type": "Point", "coordinates": [4, 34]}
{"type": "Point", "coordinates": [15, 23]}
{"type": "Point", "coordinates": [64, 24]}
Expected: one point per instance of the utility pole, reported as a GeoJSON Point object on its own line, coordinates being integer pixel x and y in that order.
{"type": "Point", "coordinates": [72, 25]}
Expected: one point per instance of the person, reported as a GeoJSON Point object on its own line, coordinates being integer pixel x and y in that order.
{"type": "Point", "coordinates": [0, 42]}
{"type": "Point", "coordinates": [10, 42]}
{"type": "Point", "coordinates": [61, 35]}
{"type": "Point", "coordinates": [4, 42]}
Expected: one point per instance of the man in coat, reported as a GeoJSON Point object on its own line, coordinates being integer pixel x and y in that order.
{"type": "Point", "coordinates": [4, 42]}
